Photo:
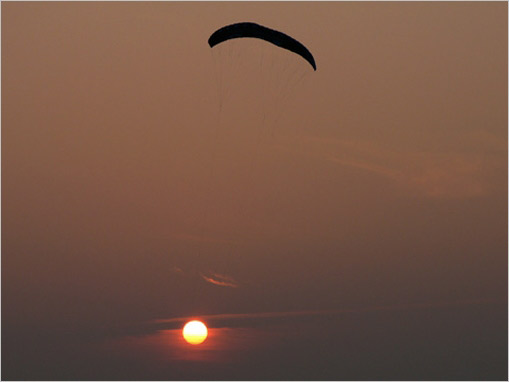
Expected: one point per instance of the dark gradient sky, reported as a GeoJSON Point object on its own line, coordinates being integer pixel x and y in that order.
{"type": "Point", "coordinates": [138, 163]}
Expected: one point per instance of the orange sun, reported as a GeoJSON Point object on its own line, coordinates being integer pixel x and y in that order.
{"type": "Point", "coordinates": [195, 332]}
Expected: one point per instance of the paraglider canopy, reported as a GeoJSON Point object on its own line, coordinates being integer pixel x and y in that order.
{"type": "Point", "coordinates": [248, 29]}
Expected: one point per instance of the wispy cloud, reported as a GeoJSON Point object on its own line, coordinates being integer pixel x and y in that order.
{"type": "Point", "coordinates": [303, 313]}
{"type": "Point", "coordinates": [210, 277]}
{"type": "Point", "coordinates": [229, 316]}
{"type": "Point", "coordinates": [432, 175]}
{"type": "Point", "coordinates": [466, 172]}
{"type": "Point", "coordinates": [220, 280]}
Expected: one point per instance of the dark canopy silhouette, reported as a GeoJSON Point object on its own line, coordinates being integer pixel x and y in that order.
{"type": "Point", "coordinates": [248, 29]}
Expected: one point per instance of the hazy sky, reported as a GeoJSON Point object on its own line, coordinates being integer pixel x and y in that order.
{"type": "Point", "coordinates": [141, 181]}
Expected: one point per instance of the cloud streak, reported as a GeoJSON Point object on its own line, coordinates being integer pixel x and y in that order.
{"type": "Point", "coordinates": [220, 280]}
{"type": "Point", "coordinates": [304, 313]}
{"type": "Point", "coordinates": [468, 171]}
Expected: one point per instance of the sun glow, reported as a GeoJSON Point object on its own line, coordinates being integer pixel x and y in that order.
{"type": "Point", "coordinates": [195, 332]}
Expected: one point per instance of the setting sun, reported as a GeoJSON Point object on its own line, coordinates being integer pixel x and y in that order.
{"type": "Point", "coordinates": [195, 332]}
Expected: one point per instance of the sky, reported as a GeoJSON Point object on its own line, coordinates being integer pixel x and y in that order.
{"type": "Point", "coordinates": [348, 223]}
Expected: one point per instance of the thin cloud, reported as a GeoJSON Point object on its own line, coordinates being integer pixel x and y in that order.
{"type": "Point", "coordinates": [251, 315]}
{"type": "Point", "coordinates": [210, 277]}
{"type": "Point", "coordinates": [220, 280]}
{"type": "Point", "coordinates": [303, 313]}
{"type": "Point", "coordinates": [451, 174]}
